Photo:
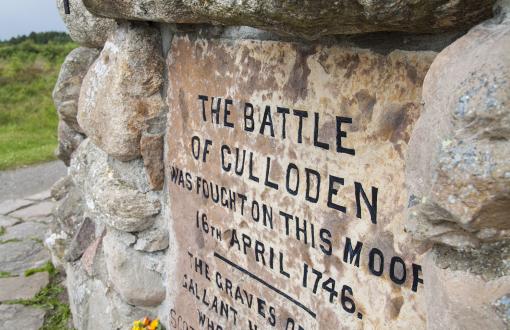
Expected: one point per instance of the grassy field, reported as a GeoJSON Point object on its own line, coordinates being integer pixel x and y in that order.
{"type": "Point", "coordinates": [29, 68]}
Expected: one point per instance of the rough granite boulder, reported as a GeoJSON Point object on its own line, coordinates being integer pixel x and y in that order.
{"type": "Point", "coordinates": [451, 303]}
{"type": "Point", "coordinates": [308, 19]}
{"type": "Point", "coordinates": [85, 28]}
{"type": "Point", "coordinates": [67, 88]}
{"type": "Point", "coordinates": [95, 305]}
{"type": "Point", "coordinates": [458, 168]}
{"type": "Point", "coordinates": [121, 91]}
{"type": "Point", "coordinates": [152, 240]}
{"type": "Point", "coordinates": [84, 237]}
{"type": "Point", "coordinates": [68, 141]}
{"type": "Point", "coordinates": [69, 210]}
{"type": "Point", "coordinates": [151, 148]}
{"type": "Point", "coordinates": [110, 198]}
{"type": "Point", "coordinates": [67, 218]}
{"type": "Point", "coordinates": [136, 283]}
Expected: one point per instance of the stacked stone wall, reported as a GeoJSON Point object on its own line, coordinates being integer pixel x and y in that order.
{"type": "Point", "coordinates": [373, 140]}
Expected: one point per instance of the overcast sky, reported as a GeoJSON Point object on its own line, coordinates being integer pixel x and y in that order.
{"type": "Point", "coordinates": [18, 17]}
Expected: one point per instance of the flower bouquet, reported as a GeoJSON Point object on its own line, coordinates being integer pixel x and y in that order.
{"type": "Point", "coordinates": [147, 324]}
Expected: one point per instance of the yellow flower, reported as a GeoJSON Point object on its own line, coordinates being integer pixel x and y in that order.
{"type": "Point", "coordinates": [146, 324]}
{"type": "Point", "coordinates": [154, 324]}
{"type": "Point", "coordinates": [137, 325]}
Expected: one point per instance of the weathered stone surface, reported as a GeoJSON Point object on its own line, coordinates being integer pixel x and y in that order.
{"type": "Point", "coordinates": [376, 99]}
{"type": "Point", "coordinates": [6, 221]}
{"type": "Point", "coordinates": [458, 166]}
{"type": "Point", "coordinates": [68, 216]}
{"type": "Point", "coordinates": [151, 148]}
{"type": "Point", "coordinates": [38, 210]}
{"type": "Point", "coordinates": [68, 141]}
{"type": "Point", "coordinates": [92, 297]}
{"type": "Point", "coordinates": [308, 19]}
{"type": "Point", "coordinates": [21, 287]}
{"type": "Point", "coordinates": [126, 209]}
{"type": "Point", "coordinates": [16, 257]}
{"type": "Point", "coordinates": [21, 317]}
{"type": "Point", "coordinates": [46, 220]}
{"type": "Point", "coordinates": [132, 172]}
{"type": "Point", "coordinates": [90, 255]}
{"type": "Point", "coordinates": [255, 123]}
{"type": "Point", "coordinates": [12, 205]}
{"type": "Point", "coordinates": [127, 239]}
{"type": "Point", "coordinates": [67, 89]}
{"type": "Point", "coordinates": [85, 235]}
{"type": "Point", "coordinates": [26, 230]}
{"type": "Point", "coordinates": [85, 28]}
{"type": "Point", "coordinates": [60, 188]}
{"type": "Point", "coordinates": [123, 313]}
{"type": "Point", "coordinates": [502, 307]}
{"type": "Point", "coordinates": [113, 200]}
{"type": "Point", "coordinates": [159, 11]}
{"type": "Point", "coordinates": [40, 196]}
{"type": "Point", "coordinates": [57, 242]}
{"type": "Point", "coordinates": [131, 278]}
{"type": "Point", "coordinates": [451, 303]}
{"type": "Point", "coordinates": [68, 212]}
{"type": "Point", "coordinates": [151, 240]}
{"type": "Point", "coordinates": [87, 300]}
{"type": "Point", "coordinates": [121, 91]}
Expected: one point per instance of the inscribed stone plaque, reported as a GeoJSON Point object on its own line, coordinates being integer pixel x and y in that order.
{"type": "Point", "coordinates": [286, 183]}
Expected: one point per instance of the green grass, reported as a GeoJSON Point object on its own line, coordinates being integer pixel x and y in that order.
{"type": "Point", "coordinates": [49, 299]}
{"type": "Point", "coordinates": [28, 119]}
{"type": "Point", "coordinates": [48, 267]}
{"type": "Point", "coordinates": [7, 274]}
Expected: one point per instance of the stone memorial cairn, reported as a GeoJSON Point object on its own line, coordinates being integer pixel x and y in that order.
{"type": "Point", "coordinates": [285, 164]}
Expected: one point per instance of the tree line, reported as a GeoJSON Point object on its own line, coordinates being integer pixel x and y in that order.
{"type": "Point", "coordinates": [41, 38]}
